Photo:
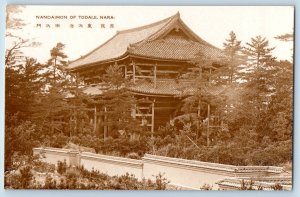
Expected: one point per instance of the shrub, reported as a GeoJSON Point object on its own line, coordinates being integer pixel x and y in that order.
{"type": "Point", "coordinates": [71, 180]}
{"type": "Point", "coordinates": [40, 166]}
{"type": "Point", "coordinates": [206, 187]}
{"type": "Point", "coordinates": [160, 182]}
{"type": "Point", "coordinates": [61, 167]}
{"type": "Point", "coordinates": [49, 182]}
{"type": "Point", "coordinates": [25, 177]}
{"type": "Point", "coordinates": [133, 156]}
{"type": "Point", "coordinates": [276, 186]}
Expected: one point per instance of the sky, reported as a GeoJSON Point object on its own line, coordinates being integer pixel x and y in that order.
{"type": "Point", "coordinates": [211, 23]}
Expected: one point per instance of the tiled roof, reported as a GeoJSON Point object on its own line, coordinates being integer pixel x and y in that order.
{"type": "Point", "coordinates": [166, 87]}
{"type": "Point", "coordinates": [90, 90]}
{"type": "Point", "coordinates": [176, 48]}
{"type": "Point", "coordinates": [118, 44]}
{"type": "Point", "coordinates": [93, 90]}
{"type": "Point", "coordinates": [146, 41]}
{"type": "Point", "coordinates": [173, 88]}
{"type": "Point", "coordinates": [163, 87]}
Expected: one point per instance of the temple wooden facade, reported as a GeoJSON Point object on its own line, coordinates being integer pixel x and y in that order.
{"type": "Point", "coordinates": [153, 57]}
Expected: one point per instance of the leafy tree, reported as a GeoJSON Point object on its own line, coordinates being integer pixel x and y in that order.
{"type": "Point", "coordinates": [20, 138]}
{"type": "Point", "coordinates": [288, 37]}
{"type": "Point", "coordinates": [15, 43]}
{"type": "Point", "coordinates": [13, 22]}
{"type": "Point", "coordinates": [14, 54]}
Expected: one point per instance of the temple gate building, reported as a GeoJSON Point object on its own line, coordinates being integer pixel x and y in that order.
{"type": "Point", "coordinates": [153, 57]}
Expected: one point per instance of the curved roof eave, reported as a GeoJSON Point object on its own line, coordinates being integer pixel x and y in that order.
{"type": "Point", "coordinates": [122, 57]}
{"type": "Point", "coordinates": [126, 55]}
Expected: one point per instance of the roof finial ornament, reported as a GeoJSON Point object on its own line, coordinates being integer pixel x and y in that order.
{"type": "Point", "coordinates": [178, 14]}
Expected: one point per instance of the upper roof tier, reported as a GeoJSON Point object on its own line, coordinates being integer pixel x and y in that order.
{"type": "Point", "coordinates": [168, 39]}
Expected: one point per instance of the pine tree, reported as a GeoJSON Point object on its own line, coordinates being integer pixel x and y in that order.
{"type": "Point", "coordinates": [259, 53]}
{"type": "Point", "coordinates": [258, 82]}
{"type": "Point", "coordinates": [20, 71]}
{"type": "Point", "coordinates": [233, 47]}
{"type": "Point", "coordinates": [23, 85]}
{"type": "Point", "coordinates": [278, 122]}
{"type": "Point", "coordinates": [208, 77]}
{"type": "Point", "coordinates": [62, 109]}
{"type": "Point", "coordinates": [55, 66]}
{"type": "Point", "coordinates": [117, 102]}
{"type": "Point", "coordinates": [53, 110]}
{"type": "Point", "coordinates": [79, 104]}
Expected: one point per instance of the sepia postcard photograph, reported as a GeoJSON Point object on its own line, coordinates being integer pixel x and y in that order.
{"type": "Point", "coordinates": [149, 97]}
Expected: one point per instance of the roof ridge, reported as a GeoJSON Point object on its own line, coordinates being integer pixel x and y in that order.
{"type": "Point", "coordinates": [148, 25]}
{"type": "Point", "coordinates": [177, 17]}
{"type": "Point", "coordinates": [154, 36]}
{"type": "Point", "coordinates": [171, 19]}
{"type": "Point", "coordinates": [200, 40]}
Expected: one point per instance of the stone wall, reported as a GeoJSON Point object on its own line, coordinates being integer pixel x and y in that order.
{"type": "Point", "coordinates": [195, 174]}
{"type": "Point", "coordinates": [112, 165]}
{"type": "Point", "coordinates": [188, 174]}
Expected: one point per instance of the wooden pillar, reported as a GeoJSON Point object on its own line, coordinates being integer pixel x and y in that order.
{"type": "Point", "coordinates": [199, 109]}
{"type": "Point", "coordinates": [134, 112]}
{"type": "Point", "coordinates": [125, 71]}
{"type": "Point", "coordinates": [199, 105]}
{"type": "Point", "coordinates": [133, 71]}
{"type": "Point", "coordinates": [75, 125]}
{"type": "Point", "coordinates": [199, 118]}
{"type": "Point", "coordinates": [208, 112]}
{"type": "Point", "coordinates": [152, 121]}
{"type": "Point", "coordinates": [105, 124]}
{"type": "Point", "coordinates": [154, 75]}
{"type": "Point", "coordinates": [95, 119]}
{"type": "Point", "coordinates": [100, 127]}
{"type": "Point", "coordinates": [208, 125]}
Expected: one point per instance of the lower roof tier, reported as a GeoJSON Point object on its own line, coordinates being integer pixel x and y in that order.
{"type": "Point", "coordinates": [164, 88]}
